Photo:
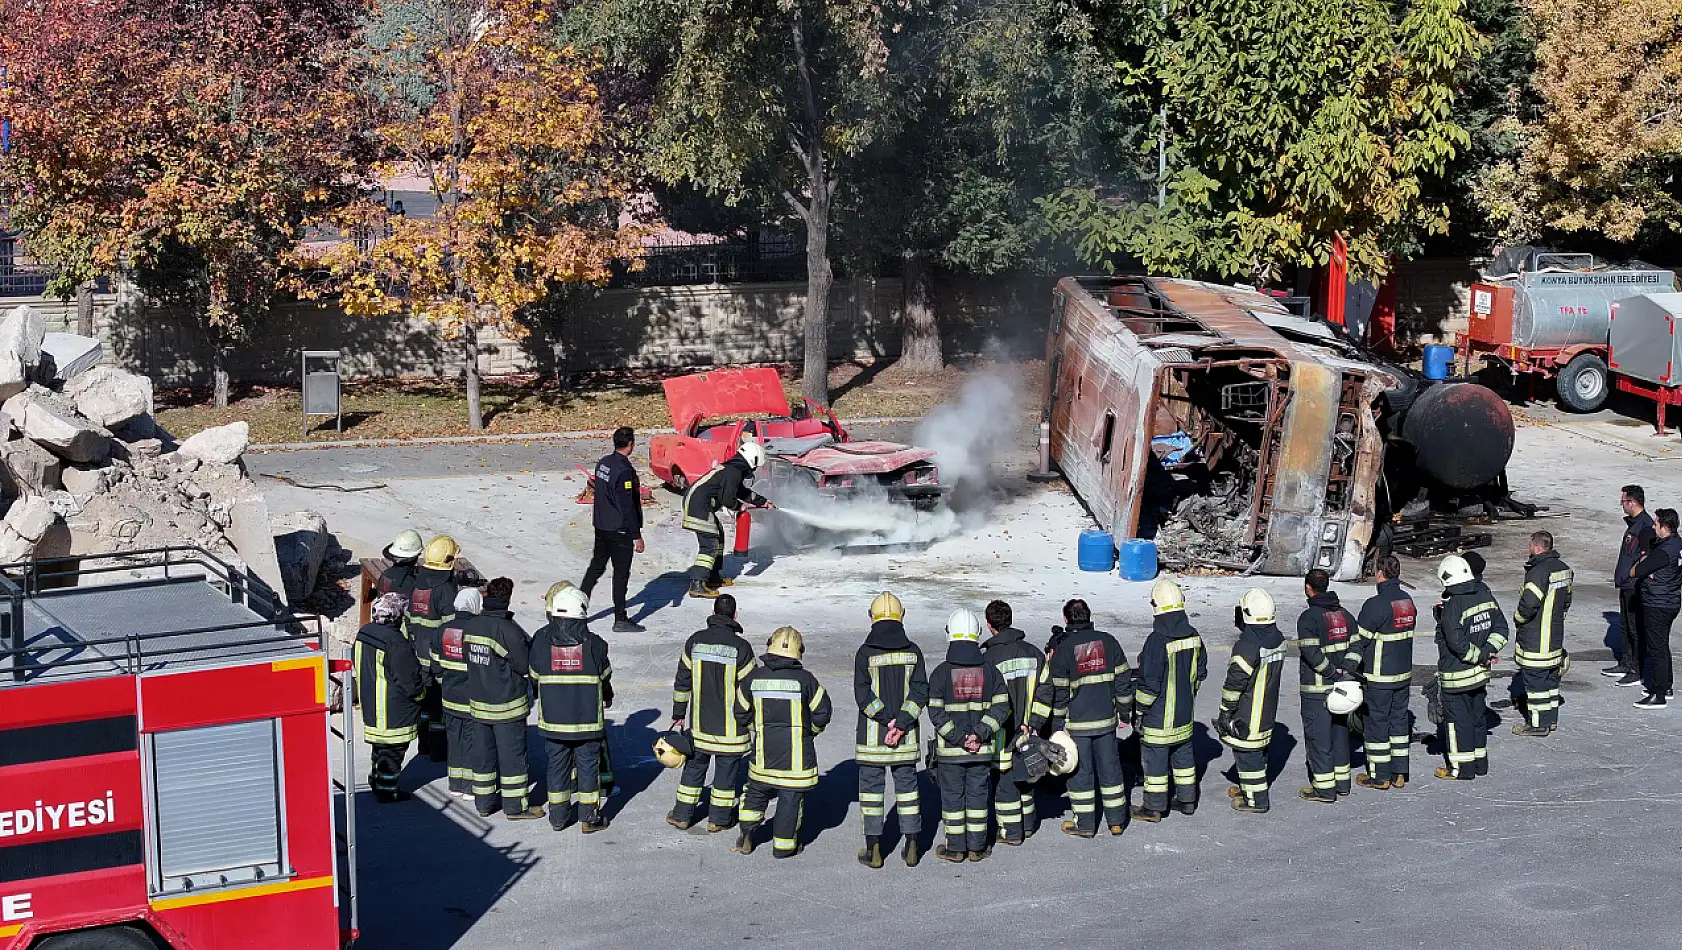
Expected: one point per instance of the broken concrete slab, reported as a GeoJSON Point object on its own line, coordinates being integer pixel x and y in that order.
{"type": "Point", "coordinates": [30, 517]}
{"type": "Point", "coordinates": [300, 540]}
{"type": "Point", "coordinates": [110, 396]}
{"type": "Point", "coordinates": [250, 534]}
{"type": "Point", "coordinates": [224, 444]}
{"type": "Point", "coordinates": [21, 333]}
{"type": "Point", "coordinates": [145, 448]}
{"type": "Point", "coordinates": [71, 355]}
{"type": "Point", "coordinates": [47, 419]}
{"type": "Point", "coordinates": [28, 469]}
{"type": "Point", "coordinates": [86, 480]}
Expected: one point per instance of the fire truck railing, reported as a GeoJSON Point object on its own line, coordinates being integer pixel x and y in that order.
{"type": "Point", "coordinates": [33, 587]}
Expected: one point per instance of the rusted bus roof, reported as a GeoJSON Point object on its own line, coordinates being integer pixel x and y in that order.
{"type": "Point", "coordinates": [1225, 310]}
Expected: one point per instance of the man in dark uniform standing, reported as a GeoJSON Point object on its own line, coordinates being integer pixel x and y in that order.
{"type": "Point", "coordinates": [618, 520]}
{"type": "Point", "coordinates": [1539, 626]}
{"type": "Point", "coordinates": [1638, 537]}
{"type": "Point", "coordinates": [1383, 653]}
{"type": "Point", "coordinates": [1324, 632]}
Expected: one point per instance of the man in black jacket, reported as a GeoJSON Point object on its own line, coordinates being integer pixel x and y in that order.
{"type": "Point", "coordinates": [1324, 632]}
{"type": "Point", "coordinates": [1659, 575]}
{"type": "Point", "coordinates": [403, 553]}
{"type": "Point", "coordinates": [1019, 662]}
{"type": "Point", "coordinates": [388, 678]}
{"type": "Point", "coordinates": [574, 689]}
{"type": "Point", "coordinates": [1087, 685]}
{"type": "Point", "coordinates": [968, 707]}
{"type": "Point", "coordinates": [1383, 653]}
{"type": "Point", "coordinates": [618, 520]}
{"type": "Point", "coordinates": [432, 603]}
{"type": "Point", "coordinates": [1539, 637]}
{"type": "Point", "coordinates": [784, 705]}
{"type": "Point", "coordinates": [498, 687]}
{"type": "Point", "coordinates": [1172, 665]}
{"type": "Point", "coordinates": [713, 664]}
{"type": "Point", "coordinates": [1471, 630]}
{"type": "Point", "coordinates": [1250, 699]}
{"type": "Point", "coordinates": [1638, 537]}
{"type": "Point", "coordinates": [722, 489]}
{"type": "Point", "coordinates": [890, 687]}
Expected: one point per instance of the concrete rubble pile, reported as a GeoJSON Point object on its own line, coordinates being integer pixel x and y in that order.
{"type": "Point", "coordinates": [86, 470]}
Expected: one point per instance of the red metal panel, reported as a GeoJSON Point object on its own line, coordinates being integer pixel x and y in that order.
{"type": "Point", "coordinates": [70, 798]}
{"type": "Point", "coordinates": [294, 915]}
{"type": "Point", "coordinates": [69, 902]}
{"type": "Point", "coordinates": [726, 392]}
{"type": "Point", "coordinates": [47, 703]}
{"type": "Point", "coordinates": [309, 821]}
{"type": "Point", "coordinates": [232, 694]}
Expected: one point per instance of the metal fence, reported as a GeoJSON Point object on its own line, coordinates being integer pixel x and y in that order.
{"type": "Point", "coordinates": [735, 262]}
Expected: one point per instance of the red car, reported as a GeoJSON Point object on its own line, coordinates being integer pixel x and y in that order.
{"type": "Point", "coordinates": [714, 412]}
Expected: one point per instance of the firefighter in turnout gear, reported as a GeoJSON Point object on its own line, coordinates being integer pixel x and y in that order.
{"type": "Point", "coordinates": [968, 708]}
{"type": "Point", "coordinates": [1019, 663]}
{"type": "Point", "coordinates": [721, 489]}
{"type": "Point", "coordinates": [498, 664]}
{"type": "Point", "coordinates": [1250, 698]}
{"type": "Point", "coordinates": [1539, 641]}
{"type": "Point", "coordinates": [389, 680]}
{"type": "Point", "coordinates": [1383, 653]}
{"type": "Point", "coordinates": [891, 687]}
{"type": "Point", "coordinates": [1087, 684]}
{"type": "Point", "coordinates": [1172, 664]}
{"type": "Point", "coordinates": [713, 665]}
{"type": "Point", "coordinates": [1324, 633]}
{"type": "Point", "coordinates": [606, 778]}
{"type": "Point", "coordinates": [432, 602]}
{"type": "Point", "coordinates": [1470, 631]}
{"type": "Point", "coordinates": [448, 665]}
{"type": "Point", "coordinates": [404, 553]}
{"type": "Point", "coordinates": [574, 681]}
{"type": "Point", "coordinates": [786, 708]}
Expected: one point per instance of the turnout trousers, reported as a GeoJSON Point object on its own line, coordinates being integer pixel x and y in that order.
{"type": "Point", "coordinates": [1463, 733]}
{"type": "Point", "coordinates": [434, 738]}
{"type": "Point", "coordinates": [965, 788]}
{"type": "Point", "coordinates": [1097, 775]}
{"type": "Point", "coordinates": [721, 799]}
{"type": "Point", "coordinates": [459, 730]}
{"type": "Point", "coordinates": [1327, 739]}
{"type": "Point", "coordinates": [1158, 761]}
{"type": "Point", "coordinates": [499, 766]}
{"type": "Point", "coordinates": [1389, 732]}
{"type": "Point", "coordinates": [785, 823]}
{"type": "Point", "coordinates": [386, 768]}
{"type": "Point", "coordinates": [709, 556]}
{"type": "Point", "coordinates": [873, 797]}
{"type": "Point", "coordinates": [1013, 804]}
{"type": "Point", "coordinates": [574, 780]}
{"type": "Point", "coordinates": [1541, 697]}
{"type": "Point", "coordinates": [1251, 766]}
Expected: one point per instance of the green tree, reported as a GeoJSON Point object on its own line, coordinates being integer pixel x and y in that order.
{"type": "Point", "coordinates": [1289, 122]}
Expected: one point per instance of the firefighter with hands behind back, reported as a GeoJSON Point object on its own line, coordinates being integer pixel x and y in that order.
{"type": "Point", "coordinates": [786, 708]}
{"type": "Point", "coordinates": [722, 489]}
{"type": "Point", "coordinates": [1019, 662]}
{"type": "Point", "coordinates": [448, 666]}
{"type": "Point", "coordinates": [713, 664]}
{"type": "Point", "coordinates": [391, 688]}
{"type": "Point", "coordinates": [1250, 698]}
{"type": "Point", "coordinates": [1172, 664]}
{"type": "Point", "coordinates": [499, 688]}
{"type": "Point", "coordinates": [574, 681]}
{"type": "Point", "coordinates": [1383, 653]}
{"type": "Point", "coordinates": [968, 708]}
{"type": "Point", "coordinates": [891, 687]}
{"type": "Point", "coordinates": [1087, 684]}
{"type": "Point", "coordinates": [1539, 640]}
{"type": "Point", "coordinates": [1324, 632]}
{"type": "Point", "coordinates": [432, 603]}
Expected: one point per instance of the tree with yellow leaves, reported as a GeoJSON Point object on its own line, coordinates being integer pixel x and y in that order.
{"type": "Point", "coordinates": [506, 129]}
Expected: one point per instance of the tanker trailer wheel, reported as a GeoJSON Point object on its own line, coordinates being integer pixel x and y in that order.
{"type": "Point", "coordinates": [1584, 383]}
{"type": "Point", "coordinates": [105, 938]}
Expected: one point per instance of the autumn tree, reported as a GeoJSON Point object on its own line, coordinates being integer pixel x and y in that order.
{"type": "Point", "coordinates": [1602, 153]}
{"type": "Point", "coordinates": [1289, 122]}
{"type": "Point", "coordinates": [177, 141]}
{"type": "Point", "coordinates": [505, 128]}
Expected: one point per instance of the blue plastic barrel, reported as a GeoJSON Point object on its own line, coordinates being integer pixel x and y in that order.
{"type": "Point", "coordinates": [1096, 551]}
{"type": "Point", "coordinates": [1138, 559]}
{"type": "Point", "coordinates": [1439, 360]}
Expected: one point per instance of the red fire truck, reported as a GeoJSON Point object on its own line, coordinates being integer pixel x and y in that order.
{"type": "Point", "coordinates": [166, 762]}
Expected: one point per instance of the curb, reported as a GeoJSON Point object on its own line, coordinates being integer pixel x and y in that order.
{"type": "Point", "coordinates": [509, 437]}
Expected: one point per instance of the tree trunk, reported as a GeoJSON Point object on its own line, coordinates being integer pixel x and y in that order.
{"type": "Point", "coordinates": [219, 376]}
{"type": "Point", "coordinates": [84, 308]}
{"type": "Point", "coordinates": [470, 353]}
{"type": "Point", "coordinates": [815, 378]}
{"type": "Point", "coordinates": [920, 350]}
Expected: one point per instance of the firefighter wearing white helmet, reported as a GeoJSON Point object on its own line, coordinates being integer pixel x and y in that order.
{"type": "Point", "coordinates": [1172, 665]}
{"type": "Point", "coordinates": [404, 553]}
{"type": "Point", "coordinates": [723, 488]}
{"type": "Point", "coordinates": [449, 667]}
{"type": "Point", "coordinates": [786, 707]}
{"type": "Point", "coordinates": [432, 605]}
{"type": "Point", "coordinates": [1087, 684]}
{"type": "Point", "coordinates": [891, 688]}
{"type": "Point", "coordinates": [968, 706]}
{"type": "Point", "coordinates": [1250, 698]}
{"type": "Point", "coordinates": [574, 680]}
{"type": "Point", "coordinates": [713, 664]}
{"type": "Point", "coordinates": [1384, 654]}
{"type": "Point", "coordinates": [1471, 629]}
{"type": "Point", "coordinates": [1325, 632]}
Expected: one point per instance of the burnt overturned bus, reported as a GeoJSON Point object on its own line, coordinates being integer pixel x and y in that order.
{"type": "Point", "coordinates": [1243, 437]}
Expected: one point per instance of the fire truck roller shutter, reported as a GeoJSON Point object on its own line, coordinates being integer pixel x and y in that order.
{"type": "Point", "coordinates": [217, 806]}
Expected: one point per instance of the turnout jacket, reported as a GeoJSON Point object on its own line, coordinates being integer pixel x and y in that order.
{"type": "Point", "coordinates": [1172, 664]}
{"type": "Point", "coordinates": [1085, 682]}
{"type": "Point", "coordinates": [1470, 630]}
{"type": "Point", "coordinates": [786, 708]}
{"type": "Point", "coordinates": [497, 666]}
{"type": "Point", "coordinates": [1539, 618]}
{"type": "Point", "coordinates": [1019, 662]}
{"type": "Point", "coordinates": [1250, 695]}
{"type": "Point", "coordinates": [1659, 576]}
{"type": "Point", "coordinates": [400, 578]}
{"type": "Point", "coordinates": [1638, 537]}
{"type": "Point", "coordinates": [574, 680]}
{"type": "Point", "coordinates": [722, 487]}
{"type": "Point", "coordinates": [713, 664]}
{"type": "Point", "coordinates": [890, 685]}
{"type": "Point", "coordinates": [389, 681]}
{"type": "Point", "coordinates": [1324, 633]}
{"type": "Point", "coordinates": [618, 505]}
{"type": "Point", "coordinates": [432, 603]}
{"type": "Point", "coordinates": [1383, 650]}
{"type": "Point", "coordinates": [447, 660]}
{"type": "Point", "coordinates": [967, 697]}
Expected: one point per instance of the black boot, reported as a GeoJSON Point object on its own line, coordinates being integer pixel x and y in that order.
{"type": "Point", "coordinates": [1185, 808]}
{"type": "Point", "coordinates": [871, 854]}
{"type": "Point", "coordinates": [912, 852]}
{"type": "Point", "coordinates": [744, 841]}
{"type": "Point", "coordinates": [700, 589]}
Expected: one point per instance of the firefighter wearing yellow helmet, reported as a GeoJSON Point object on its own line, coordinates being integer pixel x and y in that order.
{"type": "Point", "coordinates": [721, 489]}
{"type": "Point", "coordinates": [784, 705]}
{"type": "Point", "coordinates": [1087, 684]}
{"type": "Point", "coordinates": [891, 687]}
{"type": "Point", "coordinates": [712, 665]}
{"type": "Point", "coordinates": [968, 708]}
{"type": "Point", "coordinates": [1172, 665]}
{"type": "Point", "coordinates": [431, 606]}
{"type": "Point", "coordinates": [1250, 698]}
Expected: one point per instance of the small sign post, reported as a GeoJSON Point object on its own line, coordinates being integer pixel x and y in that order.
{"type": "Point", "coordinates": [321, 388]}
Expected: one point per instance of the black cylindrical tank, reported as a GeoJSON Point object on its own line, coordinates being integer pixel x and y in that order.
{"type": "Point", "coordinates": [1461, 433]}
